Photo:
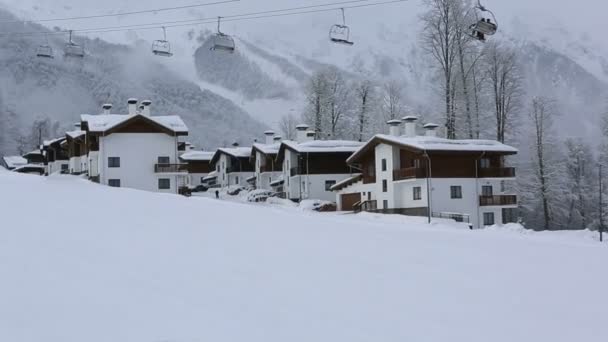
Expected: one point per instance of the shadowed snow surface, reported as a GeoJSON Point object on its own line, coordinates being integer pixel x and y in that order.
{"type": "Point", "coordinates": [82, 262]}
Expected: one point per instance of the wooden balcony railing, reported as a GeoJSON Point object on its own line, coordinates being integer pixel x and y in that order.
{"type": "Point", "coordinates": [171, 168]}
{"type": "Point", "coordinates": [409, 173]}
{"type": "Point", "coordinates": [497, 172]}
{"type": "Point", "coordinates": [500, 200]}
{"type": "Point", "coordinates": [367, 179]}
{"type": "Point", "coordinates": [264, 169]}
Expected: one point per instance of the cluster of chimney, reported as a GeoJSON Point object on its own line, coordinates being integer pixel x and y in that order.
{"type": "Point", "coordinates": [143, 108]}
{"type": "Point", "coordinates": [272, 138]}
{"type": "Point", "coordinates": [410, 127]}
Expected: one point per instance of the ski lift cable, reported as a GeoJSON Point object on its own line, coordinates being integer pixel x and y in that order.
{"type": "Point", "coordinates": [97, 16]}
{"type": "Point", "coordinates": [196, 22]}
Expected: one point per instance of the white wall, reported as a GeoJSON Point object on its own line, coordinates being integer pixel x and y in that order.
{"type": "Point", "coordinates": [313, 187]}
{"type": "Point", "coordinates": [384, 151]}
{"type": "Point", "coordinates": [138, 153]}
{"type": "Point", "coordinates": [55, 167]}
{"type": "Point", "coordinates": [358, 187]}
{"type": "Point", "coordinates": [93, 163]}
{"type": "Point", "coordinates": [195, 179]}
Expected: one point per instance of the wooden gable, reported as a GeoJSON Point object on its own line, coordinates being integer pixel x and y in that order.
{"type": "Point", "coordinates": [140, 124]}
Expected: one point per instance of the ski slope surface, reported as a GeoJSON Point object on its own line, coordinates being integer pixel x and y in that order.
{"type": "Point", "coordinates": [83, 262]}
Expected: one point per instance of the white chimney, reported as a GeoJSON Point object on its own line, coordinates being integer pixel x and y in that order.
{"type": "Point", "coordinates": [410, 126]}
{"type": "Point", "coordinates": [301, 133]}
{"type": "Point", "coordinates": [431, 129]}
{"type": "Point", "coordinates": [269, 137]}
{"type": "Point", "coordinates": [146, 104]}
{"type": "Point", "coordinates": [394, 127]}
{"type": "Point", "coordinates": [132, 106]}
{"type": "Point", "coordinates": [107, 108]}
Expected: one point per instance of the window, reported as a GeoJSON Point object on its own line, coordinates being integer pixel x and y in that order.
{"type": "Point", "coordinates": [383, 164]}
{"type": "Point", "coordinates": [236, 179]}
{"type": "Point", "coordinates": [503, 187]}
{"type": "Point", "coordinates": [113, 161]}
{"type": "Point", "coordinates": [304, 186]}
{"type": "Point", "coordinates": [329, 184]}
{"type": "Point", "coordinates": [385, 204]}
{"type": "Point", "coordinates": [384, 185]}
{"type": "Point", "coordinates": [369, 196]}
{"type": "Point", "coordinates": [64, 167]}
{"type": "Point", "coordinates": [509, 215]}
{"type": "Point", "coordinates": [202, 180]}
{"type": "Point", "coordinates": [164, 184]}
{"type": "Point", "coordinates": [164, 160]}
{"type": "Point", "coordinates": [417, 193]}
{"type": "Point", "coordinates": [218, 168]}
{"type": "Point", "coordinates": [486, 191]}
{"type": "Point", "coordinates": [115, 183]}
{"type": "Point", "coordinates": [484, 163]}
{"type": "Point", "coordinates": [456, 192]}
{"type": "Point", "coordinates": [417, 163]}
{"type": "Point", "coordinates": [488, 219]}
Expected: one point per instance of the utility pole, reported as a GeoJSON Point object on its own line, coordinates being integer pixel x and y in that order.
{"type": "Point", "coordinates": [601, 207]}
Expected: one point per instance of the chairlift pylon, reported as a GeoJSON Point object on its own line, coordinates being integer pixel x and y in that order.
{"type": "Point", "coordinates": [162, 47]}
{"type": "Point", "coordinates": [72, 49]}
{"type": "Point", "coordinates": [45, 50]}
{"type": "Point", "coordinates": [340, 33]}
{"type": "Point", "coordinates": [485, 22]}
{"type": "Point", "coordinates": [222, 41]}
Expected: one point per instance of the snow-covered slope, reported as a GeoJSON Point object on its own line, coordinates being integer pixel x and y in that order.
{"type": "Point", "coordinates": [83, 262]}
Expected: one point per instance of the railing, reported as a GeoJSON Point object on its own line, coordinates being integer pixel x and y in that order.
{"type": "Point", "coordinates": [456, 217]}
{"type": "Point", "coordinates": [264, 169]}
{"type": "Point", "coordinates": [409, 173]}
{"type": "Point", "coordinates": [367, 179]}
{"type": "Point", "coordinates": [497, 172]}
{"type": "Point", "coordinates": [170, 168]}
{"type": "Point", "coordinates": [369, 205]}
{"type": "Point", "coordinates": [501, 200]}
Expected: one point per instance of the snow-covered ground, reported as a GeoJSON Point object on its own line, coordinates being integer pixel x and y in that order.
{"type": "Point", "coordinates": [82, 262]}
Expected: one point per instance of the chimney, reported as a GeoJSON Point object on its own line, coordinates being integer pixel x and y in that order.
{"type": "Point", "coordinates": [394, 127]}
{"type": "Point", "coordinates": [235, 144]}
{"type": "Point", "coordinates": [431, 129]}
{"type": "Point", "coordinates": [269, 137]}
{"type": "Point", "coordinates": [410, 126]}
{"type": "Point", "coordinates": [301, 133]}
{"type": "Point", "coordinates": [146, 104]}
{"type": "Point", "coordinates": [107, 108]}
{"type": "Point", "coordinates": [77, 125]}
{"type": "Point", "coordinates": [277, 139]}
{"type": "Point", "coordinates": [132, 106]}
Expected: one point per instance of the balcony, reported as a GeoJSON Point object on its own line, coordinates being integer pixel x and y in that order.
{"type": "Point", "coordinates": [502, 200]}
{"type": "Point", "coordinates": [171, 168]}
{"type": "Point", "coordinates": [409, 173]}
{"type": "Point", "coordinates": [497, 172]}
{"type": "Point", "coordinates": [369, 179]}
{"type": "Point", "coordinates": [265, 169]}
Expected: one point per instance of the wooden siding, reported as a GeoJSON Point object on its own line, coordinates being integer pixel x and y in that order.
{"type": "Point", "coordinates": [349, 201]}
{"type": "Point", "coordinates": [199, 167]}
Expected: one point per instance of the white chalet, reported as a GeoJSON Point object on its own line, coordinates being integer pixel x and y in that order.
{"type": "Point", "coordinates": [135, 150]}
{"type": "Point", "coordinates": [199, 166]}
{"type": "Point", "coordinates": [263, 157]}
{"type": "Point", "coordinates": [465, 180]}
{"type": "Point", "coordinates": [311, 167]}
{"type": "Point", "coordinates": [232, 166]}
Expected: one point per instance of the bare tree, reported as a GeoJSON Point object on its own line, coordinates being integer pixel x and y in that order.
{"type": "Point", "coordinates": [364, 91]}
{"type": "Point", "coordinates": [440, 39]}
{"type": "Point", "coordinates": [580, 172]}
{"type": "Point", "coordinates": [502, 71]}
{"type": "Point", "coordinates": [541, 116]}
{"type": "Point", "coordinates": [316, 95]}
{"type": "Point", "coordinates": [287, 125]}
{"type": "Point", "coordinates": [337, 99]}
{"type": "Point", "coordinates": [392, 100]}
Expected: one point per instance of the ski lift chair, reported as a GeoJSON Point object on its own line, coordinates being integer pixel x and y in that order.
{"type": "Point", "coordinates": [44, 51]}
{"type": "Point", "coordinates": [72, 49]}
{"type": "Point", "coordinates": [162, 47]}
{"type": "Point", "coordinates": [222, 41]}
{"type": "Point", "coordinates": [485, 24]}
{"type": "Point", "coordinates": [340, 33]}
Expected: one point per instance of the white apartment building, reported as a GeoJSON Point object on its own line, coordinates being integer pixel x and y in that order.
{"type": "Point", "coordinates": [312, 167]}
{"type": "Point", "coordinates": [466, 180]}
{"type": "Point", "coordinates": [135, 150]}
{"type": "Point", "coordinates": [56, 156]}
{"type": "Point", "coordinates": [263, 157]}
{"type": "Point", "coordinates": [77, 152]}
{"type": "Point", "coordinates": [232, 166]}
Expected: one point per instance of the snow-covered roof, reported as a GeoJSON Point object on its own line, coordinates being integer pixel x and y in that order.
{"type": "Point", "coordinates": [212, 175]}
{"type": "Point", "coordinates": [237, 152]}
{"type": "Point", "coordinates": [34, 153]}
{"type": "Point", "coordinates": [30, 167]}
{"type": "Point", "coordinates": [268, 149]}
{"type": "Point", "coordinates": [75, 134]}
{"type": "Point", "coordinates": [324, 146]}
{"type": "Point", "coordinates": [52, 141]}
{"type": "Point", "coordinates": [441, 144]}
{"type": "Point", "coordinates": [14, 161]}
{"type": "Point", "coordinates": [197, 156]}
{"type": "Point", "coordinates": [104, 122]}
{"type": "Point", "coordinates": [278, 181]}
{"type": "Point", "coordinates": [347, 182]}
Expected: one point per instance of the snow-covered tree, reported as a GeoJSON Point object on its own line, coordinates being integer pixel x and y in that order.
{"type": "Point", "coordinates": [393, 106]}
{"type": "Point", "coordinates": [580, 179]}
{"type": "Point", "coordinates": [364, 92]}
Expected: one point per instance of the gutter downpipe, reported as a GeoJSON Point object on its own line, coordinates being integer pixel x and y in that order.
{"type": "Point", "coordinates": [429, 185]}
{"type": "Point", "coordinates": [483, 154]}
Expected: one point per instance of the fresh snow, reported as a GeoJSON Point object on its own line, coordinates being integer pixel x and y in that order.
{"type": "Point", "coordinates": [237, 152]}
{"type": "Point", "coordinates": [101, 264]}
{"type": "Point", "coordinates": [442, 144]}
{"type": "Point", "coordinates": [328, 146]}
{"type": "Point", "coordinates": [105, 122]}
{"type": "Point", "coordinates": [14, 161]}
{"type": "Point", "coordinates": [197, 156]}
